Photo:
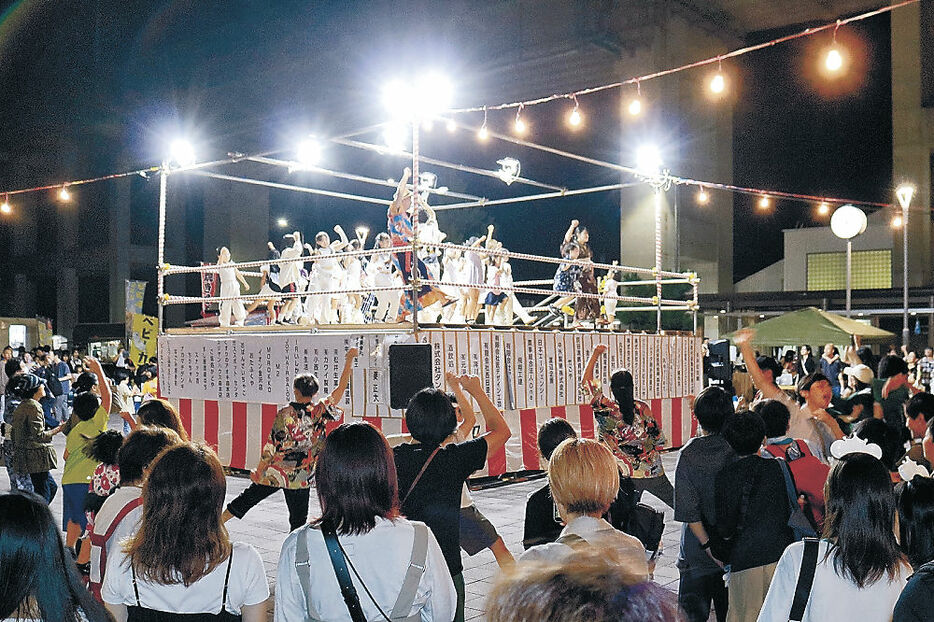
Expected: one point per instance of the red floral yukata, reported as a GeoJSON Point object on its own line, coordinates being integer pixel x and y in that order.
{"type": "Point", "coordinates": [295, 440]}
{"type": "Point", "coordinates": [635, 446]}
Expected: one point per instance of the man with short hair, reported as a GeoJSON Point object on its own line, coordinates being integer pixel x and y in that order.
{"type": "Point", "coordinates": [699, 462]}
{"type": "Point", "coordinates": [926, 369]}
{"type": "Point", "coordinates": [62, 370]}
{"type": "Point", "coordinates": [919, 413]}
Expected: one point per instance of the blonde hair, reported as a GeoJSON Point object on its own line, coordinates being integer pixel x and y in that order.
{"type": "Point", "coordinates": [583, 476]}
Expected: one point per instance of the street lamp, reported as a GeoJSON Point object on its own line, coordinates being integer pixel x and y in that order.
{"type": "Point", "coordinates": [904, 193]}
{"type": "Point", "coordinates": [847, 222]}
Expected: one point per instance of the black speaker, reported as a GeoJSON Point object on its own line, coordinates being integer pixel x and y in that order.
{"type": "Point", "coordinates": [409, 371]}
{"type": "Point", "coordinates": [721, 368]}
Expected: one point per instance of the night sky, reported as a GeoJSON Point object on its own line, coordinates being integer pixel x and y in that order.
{"type": "Point", "coordinates": [87, 88]}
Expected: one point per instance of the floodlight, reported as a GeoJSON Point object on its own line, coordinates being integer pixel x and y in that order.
{"type": "Point", "coordinates": [308, 152]}
{"type": "Point", "coordinates": [282, 223]}
{"type": "Point", "coordinates": [395, 136]}
{"type": "Point", "coordinates": [182, 152]}
{"type": "Point", "coordinates": [425, 98]}
{"type": "Point", "coordinates": [648, 160]}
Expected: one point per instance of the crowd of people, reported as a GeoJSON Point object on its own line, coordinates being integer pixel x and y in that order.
{"type": "Point", "coordinates": [468, 282]}
{"type": "Point", "coordinates": [786, 514]}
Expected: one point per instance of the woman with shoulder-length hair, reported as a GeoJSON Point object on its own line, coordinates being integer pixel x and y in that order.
{"type": "Point", "coordinates": [397, 565]}
{"type": "Point", "coordinates": [859, 570]}
{"type": "Point", "coordinates": [181, 562]}
{"type": "Point", "coordinates": [38, 581]}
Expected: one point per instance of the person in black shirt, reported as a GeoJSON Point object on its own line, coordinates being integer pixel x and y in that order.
{"type": "Point", "coordinates": [542, 523]}
{"type": "Point", "coordinates": [431, 476]}
{"type": "Point", "coordinates": [752, 516]}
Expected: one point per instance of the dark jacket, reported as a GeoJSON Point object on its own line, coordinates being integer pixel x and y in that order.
{"type": "Point", "coordinates": [32, 444]}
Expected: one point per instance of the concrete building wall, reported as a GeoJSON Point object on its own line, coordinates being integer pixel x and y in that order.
{"type": "Point", "coordinates": [800, 242]}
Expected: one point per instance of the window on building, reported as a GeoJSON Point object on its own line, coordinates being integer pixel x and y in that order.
{"type": "Point", "coordinates": [870, 270]}
{"type": "Point", "coordinates": [17, 335]}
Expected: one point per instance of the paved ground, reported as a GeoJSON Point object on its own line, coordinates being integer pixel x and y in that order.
{"type": "Point", "coordinates": [267, 526]}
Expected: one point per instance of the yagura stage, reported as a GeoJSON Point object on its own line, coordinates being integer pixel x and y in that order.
{"type": "Point", "coordinates": [229, 387]}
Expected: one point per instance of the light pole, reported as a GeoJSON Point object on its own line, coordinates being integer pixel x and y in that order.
{"type": "Point", "coordinates": [904, 193]}
{"type": "Point", "coordinates": [847, 222]}
{"type": "Point", "coordinates": [650, 170]}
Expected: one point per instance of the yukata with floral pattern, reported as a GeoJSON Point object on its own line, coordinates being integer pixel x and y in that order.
{"type": "Point", "coordinates": [635, 446]}
{"type": "Point", "coordinates": [295, 440]}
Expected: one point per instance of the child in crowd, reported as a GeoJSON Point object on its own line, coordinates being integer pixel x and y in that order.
{"type": "Point", "coordinates": [610, 287]}
{"type": "Point", "coordinates": [104, 481]}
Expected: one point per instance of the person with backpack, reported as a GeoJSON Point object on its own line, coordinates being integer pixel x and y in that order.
{"type": "Point", "coordinates": [808, 474]}
{"type": "Point", "coordinates": [752, 516]}
{"type": "Point", "coordinates": [396, 568]}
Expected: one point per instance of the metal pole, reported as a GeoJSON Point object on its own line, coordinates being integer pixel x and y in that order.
{"type": "Point", "coordinates": [849, 267]}
{"type": "Point", "coordinates": [160, 278]}
{"type": "Point", "coordinates": [414, 203]}
{"type": "Point", "coordinates": [658, 258]}
{"type": "Point", "coordinates": [905, 332]}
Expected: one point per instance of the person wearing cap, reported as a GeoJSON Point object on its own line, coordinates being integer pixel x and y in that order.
{"type": "Point", "coordinates": [32, 443]}
{"type": "Point", "coordinates": [856, 402]}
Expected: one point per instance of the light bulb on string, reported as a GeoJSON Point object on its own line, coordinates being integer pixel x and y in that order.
{"type": "Point", "coordinates": [635, 104]}
{"type": "Point", "coordinates": [483, 133]}
{"type": "Point", "coordinates": [718, 82]}
{"type": "Point", "coordinates": [765, 202]}
{"type": "Point", "coordinates": [520, 125]}
{"type": "Point", "coordinates": [897, 222]}
{"type": "Point", "coordinates": [5, 207]}
{"type": "Point", "coordinates": [702, 197]}
{"type": "Point", "coordinates": [64, 195]}
{"type": "Point", "coordinates": [833, 60]}
{"type": "Point", "coordinates": [823, 208]}
{"type": "Point", "coordinates": [574, 119]}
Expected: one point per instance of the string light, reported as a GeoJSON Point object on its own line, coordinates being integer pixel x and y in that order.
{"type": "Point", "coordinates": [64, 195]}
{"type": "Point", "coordinates": [823, 208]}
{"type": "Point", "coordinates": [833, 61]}
{"type": "Point", "coordinates": [897, 221]}
{"type": "Point", "coordinates": [520, 125]}
{"type": "Point", "coordinates": [718, 82]}
{"type": "Point", "coordinates": [702, 197]}
{"type": "Point", "coordinates": [5, 207]}
{"type": "Point", "coordinates": [635, 105]}
{"type": "Point", "coordinates": [765, 202]}
{"type": "Point", "coordinates": [574, 119]}
{"type": "Point", "coordinates": [483, 133]}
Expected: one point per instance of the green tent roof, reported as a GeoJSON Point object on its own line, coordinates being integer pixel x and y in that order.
{"type": "Point", "coordinates": [814, 327]}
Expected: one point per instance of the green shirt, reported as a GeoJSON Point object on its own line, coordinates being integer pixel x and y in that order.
{"type": "Point", "coordinates": [79, 467]}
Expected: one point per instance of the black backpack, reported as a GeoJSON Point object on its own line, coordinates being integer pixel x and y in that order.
{"type": "Point", "coordinates": [50, 373]}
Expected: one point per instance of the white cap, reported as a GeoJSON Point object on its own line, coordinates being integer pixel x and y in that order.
{"type": "Point", "coordinates": [861, 372]}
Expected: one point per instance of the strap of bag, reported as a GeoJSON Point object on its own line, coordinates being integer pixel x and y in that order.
{"type": "Point", "coordinates": [420, 473]}
{"type": "Point", "coordinates": [413, 575]}
{"type": "Point", "coordinates": [303, 571]}
{"type": "Point", "coordinates": [343, 575]}
{"type": "Point", "coordinates": [805, 580]}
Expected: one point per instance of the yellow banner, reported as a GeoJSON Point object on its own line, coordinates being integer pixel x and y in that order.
{"type": "Point", "coordinates": [143, 337]}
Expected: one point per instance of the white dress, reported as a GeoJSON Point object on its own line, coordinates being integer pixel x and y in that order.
{"type": "Point", "coordinates": [230, 286]}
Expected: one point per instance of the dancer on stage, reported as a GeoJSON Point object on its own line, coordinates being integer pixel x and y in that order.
{"type": "Point", "coordinates": [352, 278]}
{"type": "Point", "coordinates": [325, 276]}
{"type": "Point", "coordinates": [268, 286]}
{"type": "Point", "coordinates": [399, 216]}
{"type": "Point", "coordinates": [610, 288]}
{"type": "Point", "coordinates": [566, 276]}
{"type": "Point", "coordinates": [289, 455]}
{"type": "Point", "coordinates": [473, 275]}
{"type": "Point", "coordinates": [231, 279]}
{"type": "Point", "coordinates": [497, 273]}
{"type": "Point", "coordinates": [289, 275]}
{"type": "Point", "coordinates": [585, 309]}
{"type": "Point", "coordinates": [380, 272]}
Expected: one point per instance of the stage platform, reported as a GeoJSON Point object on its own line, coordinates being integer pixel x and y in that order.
{"type": "Point", "coordinates": [229, 383]}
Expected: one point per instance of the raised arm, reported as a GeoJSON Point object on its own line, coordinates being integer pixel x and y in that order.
{"type": "Point", "coordinates": [743, 340]}
{"type": "Point", "coordinates": [497, 430]}
{"type": "Point", "coordinates": [570, 232]}
{"type": "Point", "coordinates": [338, 392]}
{"type": "Point", "coordinates": [398, 200]}
{"type": "Point", "coordinates": [94, 366]}
{"type": "Point", "coordinates": [468, 416]}
{"type": "Point", "coordinates": [246, 286]}
{"type": "Point", "coordinates": [598, 351]}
